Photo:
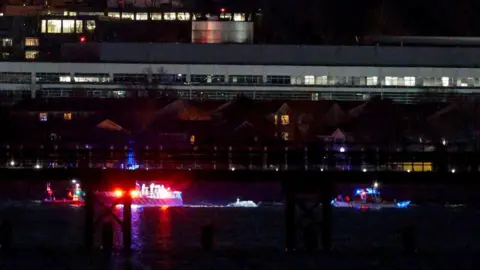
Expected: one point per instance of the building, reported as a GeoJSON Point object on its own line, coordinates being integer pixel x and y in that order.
{"type": "Point", "coordinates": [224, 71]}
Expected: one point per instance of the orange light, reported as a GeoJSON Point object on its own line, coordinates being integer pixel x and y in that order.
{"type": "Point", "coordinates": [165, 207]}
{"type": "Point", "coordinates": [134, 193]}
{"type": "Point", "coordinates": [118, 193]}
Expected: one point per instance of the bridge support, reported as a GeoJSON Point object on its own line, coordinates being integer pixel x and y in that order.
{"type": "Point", "coordinates": [308, 204]}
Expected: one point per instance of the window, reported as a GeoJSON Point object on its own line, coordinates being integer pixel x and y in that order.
{"type": "Point", "coordinates": [30, 55]}
{"type": "Point", "coordinates": [183, 16]}
{"type": "Point", "coordinates": [275, 119]}
{"type": "Point", "coordinates": [285, 136]}
{"type": "Point", "coordinates": [239, 17]}
{"type": "Point", "coordinates": [65, 78]}
{"type": "Point", "coordinates": [391, 81]}
{"type": "Point", "coordinates": [50, 77]}
{"type": "Point", "coordinates": [199, 79]}
{"type": "Point", "coordinates": [321, 80]}
{"type": "Point", "coordinates": [284, 119]}
{"type": "Point", "coordinates": [43, 117]}
{"type": "Point", "coordinates": [79, 26]}
{"type": "Point", "coordinates": [278, 80]}
{"type": "Point", "coordinates": [445, 81]}
{"type": "Point", "coordinates": [15, 77]}
{"type": "Point", "coordinates": [170, 16]}
{"type": "Point", "coordinates": [409, 81]}
{"type": "Point", "coordinates": [114, 14]}
{"type": "Point", "coordinates": [141, 16]}
{"type": "Point", "coordinates": [67, 116]}
{"type": "Point", "coordinates": [128, 16]}
{"type": "Point", "coordinates": [31, 42]}
{"type": "Point", "coordinates": [371, 81]}
{"type": "Point", "coordinates": [68, 26]}
{"type": "Point", "coordinates": [226, 16]}
{"type": "Point", "coordinates": [309, 79]}
{"type": "Point", "coordinates": [246, 79]}
{"type": "Point", "coordinates": [7, 42]}
{"type": "Point", "coordinates": [90, 25]}
{"type": "Point", "coordinates": [70, 13]}
{"type": "Point", "coordinates": [91, 78]}
{"type": "Point", "coordinates": [156, 16]}
{"type": "Point", "coordinates": [192, 139]}
{"type": "Point", "coordinates": [43, 28]}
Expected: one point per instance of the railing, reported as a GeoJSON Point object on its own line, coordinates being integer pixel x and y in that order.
{"type": "Point", "coordinates": [324, 157]}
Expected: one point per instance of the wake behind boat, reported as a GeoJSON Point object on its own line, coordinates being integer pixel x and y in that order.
{"type": "Point", "coordinates": [367, 198]}
{"type": "Point", "coordinates": [240, 203]}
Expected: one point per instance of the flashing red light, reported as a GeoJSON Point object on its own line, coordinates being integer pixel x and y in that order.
{"type": "Point", "coordinates": [83, 39]}
{"type": "Point", "coordinates": [134, 193]}
{"type": "Point", "coordinates": [222, 10]}
{"type": "Point", "coordinates": [118, 193]}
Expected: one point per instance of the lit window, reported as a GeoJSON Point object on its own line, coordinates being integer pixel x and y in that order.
{"type": "Point", "coordinates": [69, 13]}
{"type": "Point", "coordinates": [285, 136]}
{"type": "Point", "coordinates": [79, 26]}
{"type": "Point", "coordinates": [54, 26]}
{"type": "Point", "coordinates": [67, 116]}
{"type": "Point", "coordinates": [114, 14]}
{"type": "Point", "coordinates": [143, 16]}
{"type": "Point", "coordinates": [275, 119]}
{"type": "Point", "coordinates": [90, 25]}
{"type": "Point", "coordinates": [156, 16]}
{"type": "Point", "coordinates": [445, 81]}
{"type": "Point", "coordinates": [391, 81]}
{"type": "Point", "coordinates": [372, 80]}
{"type": "Point", "coordinates": [309, 79]}
{"type": "Point", "coordinates": [322, 80]}
{"type": "Point", "coordinates": [65, 79]}
{"type": "Point", "coordinates": [170, 16]}
{"type": "Point", "coordinates": [285, 119]}
{"type": "Point", "coordinates": [31, 42]}
{"type": "Point", "coordinates": [192, 139]}
{"type": "Point", "coordinates": [92, 79]}
{"type": "Point", "coordinates": [127, 16]}
{"type": "Point", "coordinates": [43, 117]}
{"type": "Point", "coordinates": [31, 55]}
{"type": "Point", "coordinates": [239, 17]}
{"type": "Point", "coordinates": [409, 81]}
{"type": "Point", "coordinates": [182, 16]}
{"type": "Point", "coordinates": [68, 26]}
{"type": "Point", "coordinates": [44, 26]}
{"type": "Point", "coordinates": [226, 16]}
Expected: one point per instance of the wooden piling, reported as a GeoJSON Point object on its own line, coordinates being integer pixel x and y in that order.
{"type": "Point", "coordinates": [127, 223]}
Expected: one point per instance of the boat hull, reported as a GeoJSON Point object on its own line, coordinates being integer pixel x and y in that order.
{"type": "Point", "coordinates": [142, 201]}
{"type": "Point", "coordinates": [360, 205]}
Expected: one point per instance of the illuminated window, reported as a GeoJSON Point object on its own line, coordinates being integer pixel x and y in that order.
{"type": "Point", "coordinates": [239, 17]}
{"type": "Point", "coordinates": [69, 13]}
{"type": "Point", "coordinates": [43, 117]}
{"type": "Point", "coordinates": [321, 80]}
{"type": "Point", "coordinates": [68, 26]}
{"type": "Point", "coordinates": [79, 26]}
{"type": "Point", "coordinates": [128, 16]}
{"type": "Point", "coordinates": [409, 81]}
{"type": "Point", "coordinates": [309, 79]}
{"type": "Point", "coordinates": [67, 116]}
{"type": "Point", "coordinates": [226, 16]}
{"type": "Point", "coordinates": [30, 55]}
{"type": "Point", "coordinates": [90, 25]}
{"type": "Point", "coordinates": [170, 16]}
{"type": "Point", "coordinates": [372, 80]}
{"type": "Point", "coordinates": [275, 119]}
{"type": "Point", "coordinates": [183, 16]}
{"type": "Point", "coordinates": [114, 14]}
{"type": "Point", "coordinates": [65, 79]}
{"type": "Point", "coordinates": [285, 119]}
{"type": "Point", "coordinates": [54, 26]}
{"type": "Point", "coordinates": [445, 81]}
{"type": "Point", "coordinates": [141, 16]}
{"type": "Point", "coordinates": [91, 79]}
{"type": "Point", "coordinates": [391, 81]}
{"type": "Point", "coordinates": [31, 42]}
{"type": "Point", "coordinates": [192, 139]}
{"type": "Point", "coordinates": [285, 136]}
{"type": "Point", "coordinates": [156, 16]}
{"type": "Point", "coordinates": [43, 28]}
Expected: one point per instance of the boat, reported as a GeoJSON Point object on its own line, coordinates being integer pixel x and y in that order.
{"type": "Point", "coordinates": [145, 194]}
{"type": "Point", "coordinates": [367, 198]}
{"type": "Point", "coordinates": [240, 203]}
{"type": "Point", "coordinates": [74, 197]}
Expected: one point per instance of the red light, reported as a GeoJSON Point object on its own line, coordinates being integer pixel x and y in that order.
{"type": "Point", "coordinates": [164, 208]}
{"type": "Point", "coordinates": [118, 193]}
{"type": "Point", "coordinates": [83, 39]}
{"type": "Point", "coordinates": [222, 10]}
{"type": "Point", "coordinates": [134, 193]}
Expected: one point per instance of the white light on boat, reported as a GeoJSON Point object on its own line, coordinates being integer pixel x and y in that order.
{"type": "Point", "coordinates": [321, 169]}
{"type": "Point", "coordinates": [364, 170]}
{"type": "Point", "coordinates": [375, 185]}
{"type": "Point", "coordinates": [276, 169]}
{"type": "Point", "coordinates": [74, 181]}
{"type": "Point", "coordinates": [233, 169]}
{"type": "Point", "coordinates": [453, 170]}
{"type": "Point", "coordinates": [444, 142]}
{"type": "Point", "coordinates": [37, 166]}
{"type": "Point", "coordinates": [408, 171]}
{"type": "Point", "coordinates": [342, 149]}
{"type": "Point", "coordinates": [12, 163]}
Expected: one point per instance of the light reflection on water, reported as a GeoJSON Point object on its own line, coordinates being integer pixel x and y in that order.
{"type": "Point", "coordinates": [169, 238]}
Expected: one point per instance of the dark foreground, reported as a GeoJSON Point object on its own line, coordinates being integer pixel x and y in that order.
{"type": "Point", "coordinates": [49, 237]}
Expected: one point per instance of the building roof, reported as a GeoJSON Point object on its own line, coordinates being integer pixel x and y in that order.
{"type": "Point", "coordinates": [302, 55]}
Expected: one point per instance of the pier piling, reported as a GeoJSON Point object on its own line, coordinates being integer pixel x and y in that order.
{"type": "Point", "coordinates": [127, 223]}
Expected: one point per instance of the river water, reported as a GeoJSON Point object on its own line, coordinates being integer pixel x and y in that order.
{"type": "Point", "coordinates": [50, 237]}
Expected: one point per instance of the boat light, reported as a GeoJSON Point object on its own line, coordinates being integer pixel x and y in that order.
{"type": "Point", "coordinates": [375, 185]}
{"type": "Point", "coordinates": [37, 166]}
{"type": "Point", "coordinates": [453, 170]}
{"type": "Point", "coordinates": [134, 193]}
{"type": "Point", "coordinates": [342, 149]}
{"type": "Point", "coordinates": [118, 193]}
{"type": "Point", "coordinates": [364, 170]}
{"type": "Point", "coordinates": [12, 163]}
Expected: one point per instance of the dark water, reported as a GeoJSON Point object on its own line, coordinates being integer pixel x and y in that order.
{"type": "Point", "coordinates": [50, 237]}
